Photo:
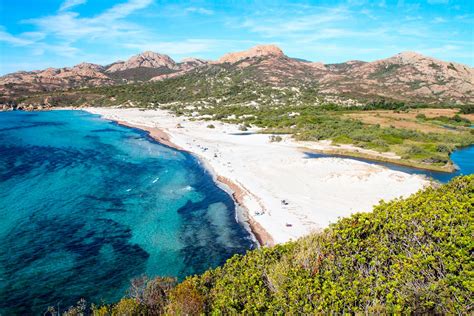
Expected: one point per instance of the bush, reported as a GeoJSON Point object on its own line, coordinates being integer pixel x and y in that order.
{"type": "Point", "coordinates": [128, 306]}
{"type": "Point", "coordinates": [467, 109]}
{"type": "Point", "coordinates": [186, 299]}
{"type": "Point", "coordinates": [342, 139]}
{"type": "Point", "coordinates": [414, 150]}
{"type": "Point", "coordinates": [211, 126]}
{"type": "Point", "coordinates": [442, 148]}
{"type": "Point", "coordinates": [408, 256]}
{"type": "Point", "coordinates": [152, 294]}
{"type": "Point", "coordinates": [275, 138]}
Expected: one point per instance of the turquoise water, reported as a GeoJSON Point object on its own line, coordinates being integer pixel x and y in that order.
{"type": "Point", "coordinates": [462, 158]}
{"type": "Point", "coordinates": [86, 205]}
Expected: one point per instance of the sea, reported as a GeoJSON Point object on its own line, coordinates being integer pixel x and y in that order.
{"type": "Point", "coordinates": [86, 205]}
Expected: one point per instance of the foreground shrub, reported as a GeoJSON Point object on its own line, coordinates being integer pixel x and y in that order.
{"type": "Point", "coordinates": [408, 256]}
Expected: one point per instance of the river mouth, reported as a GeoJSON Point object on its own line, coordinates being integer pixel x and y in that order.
{"type": "Point", "coordinates": [86, 205]}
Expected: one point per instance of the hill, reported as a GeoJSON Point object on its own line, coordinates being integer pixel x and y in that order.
{"type": "Point", "coordinates": [265, 71]}
{"type": "Point", "coordinates": [411, 256]}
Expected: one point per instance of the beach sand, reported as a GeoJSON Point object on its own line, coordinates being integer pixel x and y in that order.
{"type": "Point", "coordinates": [283, 194]}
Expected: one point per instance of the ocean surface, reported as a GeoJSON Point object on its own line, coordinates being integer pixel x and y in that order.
{"type": "Point", "coordinates": [463, 159]}
{"type": "Point", "coordinates": [86, 205]}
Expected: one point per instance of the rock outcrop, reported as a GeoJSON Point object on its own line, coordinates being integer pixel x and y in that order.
{"type": "Point", "coordinates": [254, 52]}
{"type": "Point", "coordinates": [144, 60]}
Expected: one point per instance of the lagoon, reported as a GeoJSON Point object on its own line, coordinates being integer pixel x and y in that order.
{"type": "Point", "coordinates": [463, 159]}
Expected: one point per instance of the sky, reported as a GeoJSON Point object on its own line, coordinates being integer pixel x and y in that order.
{"type": "Point", "coordinates": [36, 34]}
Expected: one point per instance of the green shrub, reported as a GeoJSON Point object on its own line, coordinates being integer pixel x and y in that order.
{"type": "Point", "coordinates": [128, 306]}
{"type": "Point", "coordinates": [467, 109]}
{"type": "Point", "coordinates": [275, 138]}
{"type": "Point", "coordinates": [442, 148]}
{"type": "Point", "coordinates": [342, 139]}
{"type": "Point", "coordinates": [408, 256]}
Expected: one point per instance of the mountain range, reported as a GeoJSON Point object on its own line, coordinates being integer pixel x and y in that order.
{"type": "Point", "coordinates": [406, 77]}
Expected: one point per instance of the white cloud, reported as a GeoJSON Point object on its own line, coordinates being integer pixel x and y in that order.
{"type": "Point", "coordinates": [284, 26]}
{"type": "Point", "coordinates": [14, 40]}
{"type": "Point", "coordinates": [440, 20]}
{"type": "Point", "coordinates": [70, 3]}
{"type": "Point", "coordinates": [199, 10]}
{"type": "Point", "coordinates": [109, 24]}
{"type": "Point", "coordinates": [438, 1]}
{"type": "Point", "coordinates": [124, 9]}
{"type": "Point", "coordinates": [58, 33]}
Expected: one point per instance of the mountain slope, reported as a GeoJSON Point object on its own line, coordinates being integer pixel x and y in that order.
{"type": "Point", "coordinates": [406, 77]}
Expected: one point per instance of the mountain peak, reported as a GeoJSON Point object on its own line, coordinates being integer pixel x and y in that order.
{"type": "Point", "coordinates": [256, 51]}
{"type": "Point", "coordinates": [408, 57]}
{"type": "Point", "coordinates": [86, 65]}
{"type": "Point", "coordinates": [147, 59]}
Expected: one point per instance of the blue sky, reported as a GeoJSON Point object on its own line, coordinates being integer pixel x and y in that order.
{"type": "Point", "coordinates": [36, 34]}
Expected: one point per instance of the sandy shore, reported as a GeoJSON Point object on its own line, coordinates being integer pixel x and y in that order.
{"type": "Point", "coordinates": [284, 194]}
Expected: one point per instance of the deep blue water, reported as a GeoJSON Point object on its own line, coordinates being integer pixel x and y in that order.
{"type": "Point", "coordinates": [462, 158]}
{"type": "Point", "coordinates": [86, 205]}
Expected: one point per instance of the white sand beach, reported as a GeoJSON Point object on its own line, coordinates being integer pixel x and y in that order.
{"type": "Point", "coordinates": [316, 192]}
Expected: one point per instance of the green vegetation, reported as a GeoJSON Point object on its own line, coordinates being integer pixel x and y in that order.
{"type": "Point", "coordinates": [467, 109]}
{"type": "Point", "coordinates": [384, 71]}
{"type": "Point", "coordinates": [275, 138]}
{"type": "Point", "coordinates": [227, 93]}
{"type": "Point", "coordinates": [408, 256]}
{"type": "Point", "coordinates": [456, 120]}
{"type": "Point", "coordinates": [310, 123]}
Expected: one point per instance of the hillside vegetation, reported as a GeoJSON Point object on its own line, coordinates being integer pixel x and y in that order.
{"type": "Point", "coordinates": [408, 256]}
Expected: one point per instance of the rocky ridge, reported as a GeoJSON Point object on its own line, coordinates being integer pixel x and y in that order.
{"type": "Point", "coordinates": [407, 77]}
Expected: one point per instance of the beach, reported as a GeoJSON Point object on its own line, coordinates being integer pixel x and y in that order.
{"type": "Point", "coordinates": [281, 193]}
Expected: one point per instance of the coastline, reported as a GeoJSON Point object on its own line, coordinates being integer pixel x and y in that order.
{"type": "Point", "coordinates": [448, 168]}
{"type": "Point", "coordinates": [262, 237]}
{"type": "Point", "coordinates": [155, 133]}
{"type": "Point", "coordinates": [279, 193]}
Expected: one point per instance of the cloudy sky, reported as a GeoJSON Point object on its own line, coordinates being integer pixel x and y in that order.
{"type": "Point", "coordinates": [37, 34]}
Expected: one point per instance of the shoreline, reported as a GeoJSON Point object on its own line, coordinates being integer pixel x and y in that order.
{"type": "Point", "coordinates": [279, 194]}
{"type": "Point", "coordinates": [262, 237]}
{"type": "Point", "coordinates": [163, 138]}
{"type": "Point", "coordinates": [155, 133]}
{"type": "Point", "coordinates": [450, 168]}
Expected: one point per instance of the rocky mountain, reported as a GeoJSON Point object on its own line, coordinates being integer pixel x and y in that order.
{"type": "Point", "coordinates": [50, 79]}
{"type": "Point", "coordinates": [406, 77]}
{"type": "Point", "coordinates": [265, 51]}
{"type": "Point", "coordinates": [144, 60]}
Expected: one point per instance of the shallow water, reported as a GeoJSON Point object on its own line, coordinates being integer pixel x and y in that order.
{"type": "Point", "coordinates": [86, 205]}
{"type": "Point", "coordinates": [462, 158]}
